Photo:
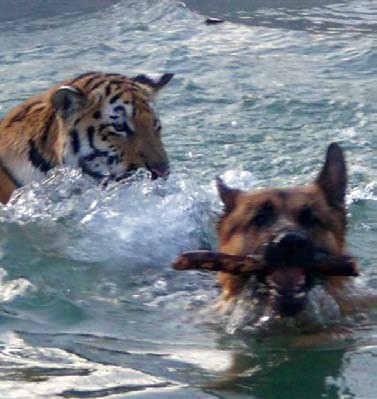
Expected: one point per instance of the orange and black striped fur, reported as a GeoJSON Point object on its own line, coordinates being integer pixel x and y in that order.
{"type": "Point", "coordinates": [288, 228]}
{"type": "Point", "coordinates": [104, 123]}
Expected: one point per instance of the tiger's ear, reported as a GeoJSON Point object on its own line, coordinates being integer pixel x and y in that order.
{"type": "Point", "coordinates": [68, 100]}
{"type": "Point", "coordinates": [227, 195]}
{"type": "Point", "coordinates": [333, 177]}
{"type": "Point", "coordinates": [154, 84]}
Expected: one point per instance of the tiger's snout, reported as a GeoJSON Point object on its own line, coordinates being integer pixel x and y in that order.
{"type": "Point", "coordinates": [157, 170]}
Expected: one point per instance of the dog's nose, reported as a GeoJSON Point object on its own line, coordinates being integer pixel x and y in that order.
{"type": "Point", "coordinates": [291, 240]}
{"type": "Point", "coordinates": [290, 248]}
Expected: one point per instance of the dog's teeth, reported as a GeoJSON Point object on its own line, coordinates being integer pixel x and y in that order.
{"type": "Point", "coordinates": [257, 258]}
{"type": "Point", "coordinates": [262, 290]}
{"type": "Point", "coordinates": [271, 283]}
{"type": "Point", "coordinates": [301, 281]}
{"type": "Point", "coordinates": [299, 295]}
{"type": "Point", "coordinates": [273, 292]}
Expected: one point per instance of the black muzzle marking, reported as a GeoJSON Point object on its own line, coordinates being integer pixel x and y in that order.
{"type": "Point", "coordinates": [289, 249]}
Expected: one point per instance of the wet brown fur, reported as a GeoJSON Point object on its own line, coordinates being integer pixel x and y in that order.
{"type": "Point", "coordinates": [7, 185]}
{"type": "Point", "coordinates": [239, 234]}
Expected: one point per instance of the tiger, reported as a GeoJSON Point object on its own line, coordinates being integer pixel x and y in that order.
{"type": "Point", "coordinates": [104, 123]}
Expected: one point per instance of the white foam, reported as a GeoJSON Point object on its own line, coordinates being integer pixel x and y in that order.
{"type": "Point", "coordinates": [58, 373]}
{"type": "Point", "coordinates": [11, 289]}
{"type": "Point", "coordinates": [139, 221]}
{"type": "Point", "coordinates": [365, 192]}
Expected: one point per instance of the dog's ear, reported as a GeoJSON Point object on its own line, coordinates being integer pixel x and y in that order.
{"type": "Point", "coordinates": [333, 177]}
{"type": "Point", "coordinates": [227, 195]}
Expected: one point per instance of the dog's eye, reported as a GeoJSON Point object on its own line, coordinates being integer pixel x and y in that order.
{"type": "Point", "coordinates": [307, 218]}
{"type": "Point", "coordinates": [261, 220]}
{"type": "Point", "coordinates": [265, 216]}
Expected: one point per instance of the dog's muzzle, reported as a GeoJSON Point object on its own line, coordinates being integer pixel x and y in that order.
{"type": "Point", "coordinates": [289, 249]}
{"type": "Point", "coordinates": [287, 283]}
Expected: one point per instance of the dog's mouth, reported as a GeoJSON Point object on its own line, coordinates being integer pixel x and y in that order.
{"type": "Point", "coordinates": [288, 281]}
{"type": "Point", "coordinates": [280, 281]}
{"type": "Point", "coordinates": [285, 289]}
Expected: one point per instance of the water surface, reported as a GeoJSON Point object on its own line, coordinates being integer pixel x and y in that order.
{"type": "Point", "coordinates": [89, 306]}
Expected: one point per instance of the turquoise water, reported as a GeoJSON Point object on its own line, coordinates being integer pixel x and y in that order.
{"type": "Point", "coordinates": [89, 306]}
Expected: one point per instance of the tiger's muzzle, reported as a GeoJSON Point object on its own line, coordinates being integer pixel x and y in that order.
{"type": "Point", "coordinates": [157, 170]}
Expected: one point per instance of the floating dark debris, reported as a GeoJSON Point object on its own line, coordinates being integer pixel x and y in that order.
{"type": "Point", "coordinates": [214, 21]}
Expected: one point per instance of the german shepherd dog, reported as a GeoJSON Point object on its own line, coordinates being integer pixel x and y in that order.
{"type": "Point", "coordinates": [288, 229]}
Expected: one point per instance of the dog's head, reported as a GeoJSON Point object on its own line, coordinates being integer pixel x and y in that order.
{"type": "Point", "coordinates": [288, 228]}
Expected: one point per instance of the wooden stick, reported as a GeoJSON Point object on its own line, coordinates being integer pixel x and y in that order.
{"type": "Point", "coordinates": [342, 265]}
{"type": "Point", "coordinates": [330, 265]}
{"type": "Point", "coordinates": [217, 262]}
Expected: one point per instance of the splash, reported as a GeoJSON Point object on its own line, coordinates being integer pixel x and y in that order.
{"type": "Point", "coordinates": [54, 372]}
{"type": "Point", "coordinates": [251, 315]}
{"type": "Point", "coordinates": [12, 289]}
{"type": "Point", "coordinates": [138, 221]}
{"type": "Point", "coordinates": [368, 192]}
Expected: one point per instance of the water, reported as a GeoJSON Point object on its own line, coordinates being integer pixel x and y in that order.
{"type": "Point", "coordinates": [89, 306]}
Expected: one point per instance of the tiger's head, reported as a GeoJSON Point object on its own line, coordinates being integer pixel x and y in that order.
{"type": "Point", "coordinates": [111, 124]}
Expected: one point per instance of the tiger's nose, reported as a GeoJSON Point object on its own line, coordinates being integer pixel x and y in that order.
{"type": "Point", "coordinates": [161, 170]}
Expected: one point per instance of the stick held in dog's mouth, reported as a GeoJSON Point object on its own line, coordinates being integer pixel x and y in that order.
{"type": "Point", "coordinates": [326, 265]}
